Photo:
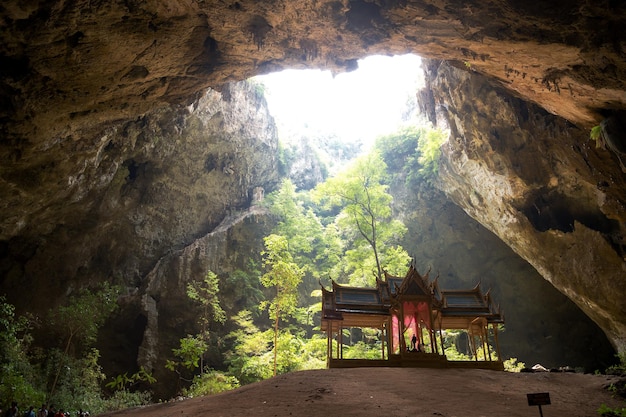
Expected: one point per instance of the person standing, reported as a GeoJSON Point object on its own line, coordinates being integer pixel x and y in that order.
{"type": "Point", "coordinates": [13, 410]}
{"type": "Point", "coordinates": [42, 412]}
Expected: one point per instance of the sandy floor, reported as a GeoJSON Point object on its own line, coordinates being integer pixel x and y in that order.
{"type": "Point", "coordinates": [399, 392]}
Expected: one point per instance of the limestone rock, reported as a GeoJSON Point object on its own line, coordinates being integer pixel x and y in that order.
{"type": "Point", "coordinates": [538, 183]}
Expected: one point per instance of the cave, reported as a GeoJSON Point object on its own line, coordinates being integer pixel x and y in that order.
{"type": "Point", "coordinates": [122, 161]}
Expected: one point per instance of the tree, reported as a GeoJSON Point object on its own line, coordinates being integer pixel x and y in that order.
{"type": "Point", "coordinates": [309, 242]}
{"type": "Point", "coordinates": [18, 378]}
{"type": "Point", "coordinates": [413, 152]}
{"type": "Point", "coordinates": [365, 208]}
{"type": "Point", "coordinates": [78, 321]}
{"type": "Point", "coordinates": [285, 276]}
{"type": "Point", "coordinates": [248, 359]}
{"type": "Point", "coordinates": [205, 292]}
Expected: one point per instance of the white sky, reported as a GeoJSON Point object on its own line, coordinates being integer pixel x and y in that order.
{"type": "Point", "coordinates": [361, 104]}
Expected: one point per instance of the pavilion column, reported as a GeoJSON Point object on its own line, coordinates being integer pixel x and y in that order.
{"type": "Point", "coordinates": [433, 332]}
{"type": "Point", "coordinates": [401, 330]}
{"type": "Point", "coordinates": [472, 342]}
{"type": "Point", "coordinates": [483, 340]}
{"type": "Point", "coordinates": [487, 339]}
{"type": "Point", "coordinates": [443, 349]}
{"type": "Point", "coordinates": [495, 336]}
{"type": "Point", "coordinates": [388, 336]}
{"type": "Point", "coordinates": [382, 341]}
{"type": "Point", "coordinates": [329, 342]}
{"type": "Point", "coordinates": [340, 343]}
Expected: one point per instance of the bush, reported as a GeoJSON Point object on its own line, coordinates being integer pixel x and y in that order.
{"type": "Point", "coordinates": [607, 411]}
{"type": "Point", "coordinates": [211, 382]}
{"type": "Point", "coordinates": [512, 365]}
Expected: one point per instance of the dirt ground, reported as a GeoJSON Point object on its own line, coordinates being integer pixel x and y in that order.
{"type": "Point", "coordinates": [399, 392]}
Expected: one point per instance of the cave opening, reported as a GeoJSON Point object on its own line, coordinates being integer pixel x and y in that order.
{"type": "Point", "coordinates": [356, 107]}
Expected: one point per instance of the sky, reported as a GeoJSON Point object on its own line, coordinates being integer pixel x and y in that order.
{"type": "Point", "coordinates": [358, 105]}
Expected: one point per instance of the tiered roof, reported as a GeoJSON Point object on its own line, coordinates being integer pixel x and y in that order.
{"type": "Point", "coordinates": [451, 309]}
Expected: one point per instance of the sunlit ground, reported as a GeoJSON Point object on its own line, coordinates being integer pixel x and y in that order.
{"type": "Point", "coordinates": [355, 106]}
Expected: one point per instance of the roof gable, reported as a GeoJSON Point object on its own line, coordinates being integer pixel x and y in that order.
{"type": "Point", "coordinates": [415, 285]}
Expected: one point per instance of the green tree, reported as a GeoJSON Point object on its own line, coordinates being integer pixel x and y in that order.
{"type": "Point", "coordinates": [205, 292]}
{"type": "Point", "coordinates": [189, 352]}
{"type": "Point", "coordinates": [366, 216]}
{"type": "Point", "coordinates": [413, 152]}
{"type": "Point", "coordinates": [78, 322]}
{"type": "Point", "coordinates": [314, 247]}
{"type": "Point", "coordinates": [249, 360]}
{"type": "Point", "coordinates": [18, 377]}
{"type": "Point", "coordinates": [284, 276]}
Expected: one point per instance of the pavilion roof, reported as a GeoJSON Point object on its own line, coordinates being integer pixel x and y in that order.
{"type": "Point", "coordinates": [454, 307]}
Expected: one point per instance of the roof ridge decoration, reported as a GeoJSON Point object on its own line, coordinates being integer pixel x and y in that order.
{"type": "Point", "coordinates": [414, 284]}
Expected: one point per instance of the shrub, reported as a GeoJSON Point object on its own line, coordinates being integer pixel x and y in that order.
{"type": "Point", "coordinates": [211, 382]}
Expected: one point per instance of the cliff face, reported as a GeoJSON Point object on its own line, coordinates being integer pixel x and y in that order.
{"type": "Point", "coordinates": [541, 186]}
{"type": "Point", "coordinates": [99, 98]}
{"type": "Point", "coordinates": [148, 187]}
{"type": "Point", "coordinates": [542, 325]}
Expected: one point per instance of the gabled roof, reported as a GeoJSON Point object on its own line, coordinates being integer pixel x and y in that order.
{"type": "Point", "coordinates": [413, 284]}
{"type": "Point", "coordinates": [468, 303]}
{"type": "Point", "coordinates": [393, 282]}
{"type": "Point", "coordinates": [456, 308]}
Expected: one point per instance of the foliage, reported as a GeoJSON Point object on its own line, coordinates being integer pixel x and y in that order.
{"type": "Point", "coordinates": [429, 148]}
{"type": "Point", "coordinates": [242, 289]}
{"type": "Point", "coordinates": [285, 276]}
{"type": "Point", "coordinates": [287, 352]}
{"type": "Point", "coordinates": [78, 323]}
{"type": "Point", "coordinates": [18, 378]}
{"type": "Point", "coordinates": [313, 353]}
{"type": "Point", "coordinates": [413, 152]}
{"type": "Point", "coordinates": [188, 353]}
{"type": "Point", "coordinates": [362, 350]}
{"type": "Point", "coordinates": [124, 399]}
{"type": "Point", "coordinates": [205, 292]}
{"type": "Point", "coordinates": [257, 86]}
{"type": "Point", "coordinates": [72, 368]}
{"type": "Point", "coordinates": [286, 157]}
{"type": "Point", "coordinates": [211, 382]}
{"type": "Point", "coordinates": [618, 389]}
{"type": "Point", "coordinates": [454, 355]}
{"type": "Point", "coordinates": [366, 219]}
{"type": "Point", "coordinates": [596, 135]}
{"type": "Point", "coordinates": [78, 385]}
{"type": "Point", "coordinates": [249, 360]}
{"type": "Point", "coordinates": [606, 411]}
{"type": "Point", "coordinates": [512, 365]}
{"type": "Point", "coordinates": [620, 368]}
{"type": "Point", "coordinates": [122, 382]}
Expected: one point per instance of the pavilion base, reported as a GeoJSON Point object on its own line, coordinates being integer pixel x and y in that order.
{"type": "Point", "coordinates": [422, 360]}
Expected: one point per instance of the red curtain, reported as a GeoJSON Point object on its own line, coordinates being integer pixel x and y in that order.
{"type": "Point", "coordinates": [415, 312]}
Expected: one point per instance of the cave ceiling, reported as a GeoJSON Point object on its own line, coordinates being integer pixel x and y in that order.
{"type": "Point", "coordinates": [73, 72]}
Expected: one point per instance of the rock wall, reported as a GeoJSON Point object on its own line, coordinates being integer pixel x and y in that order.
{"type": "Point", "coordinates": [173, 195]}
{"type": "Point", "coordinates": [539, 184]}
{"type": "Point", "coordinates": [542, 325]}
